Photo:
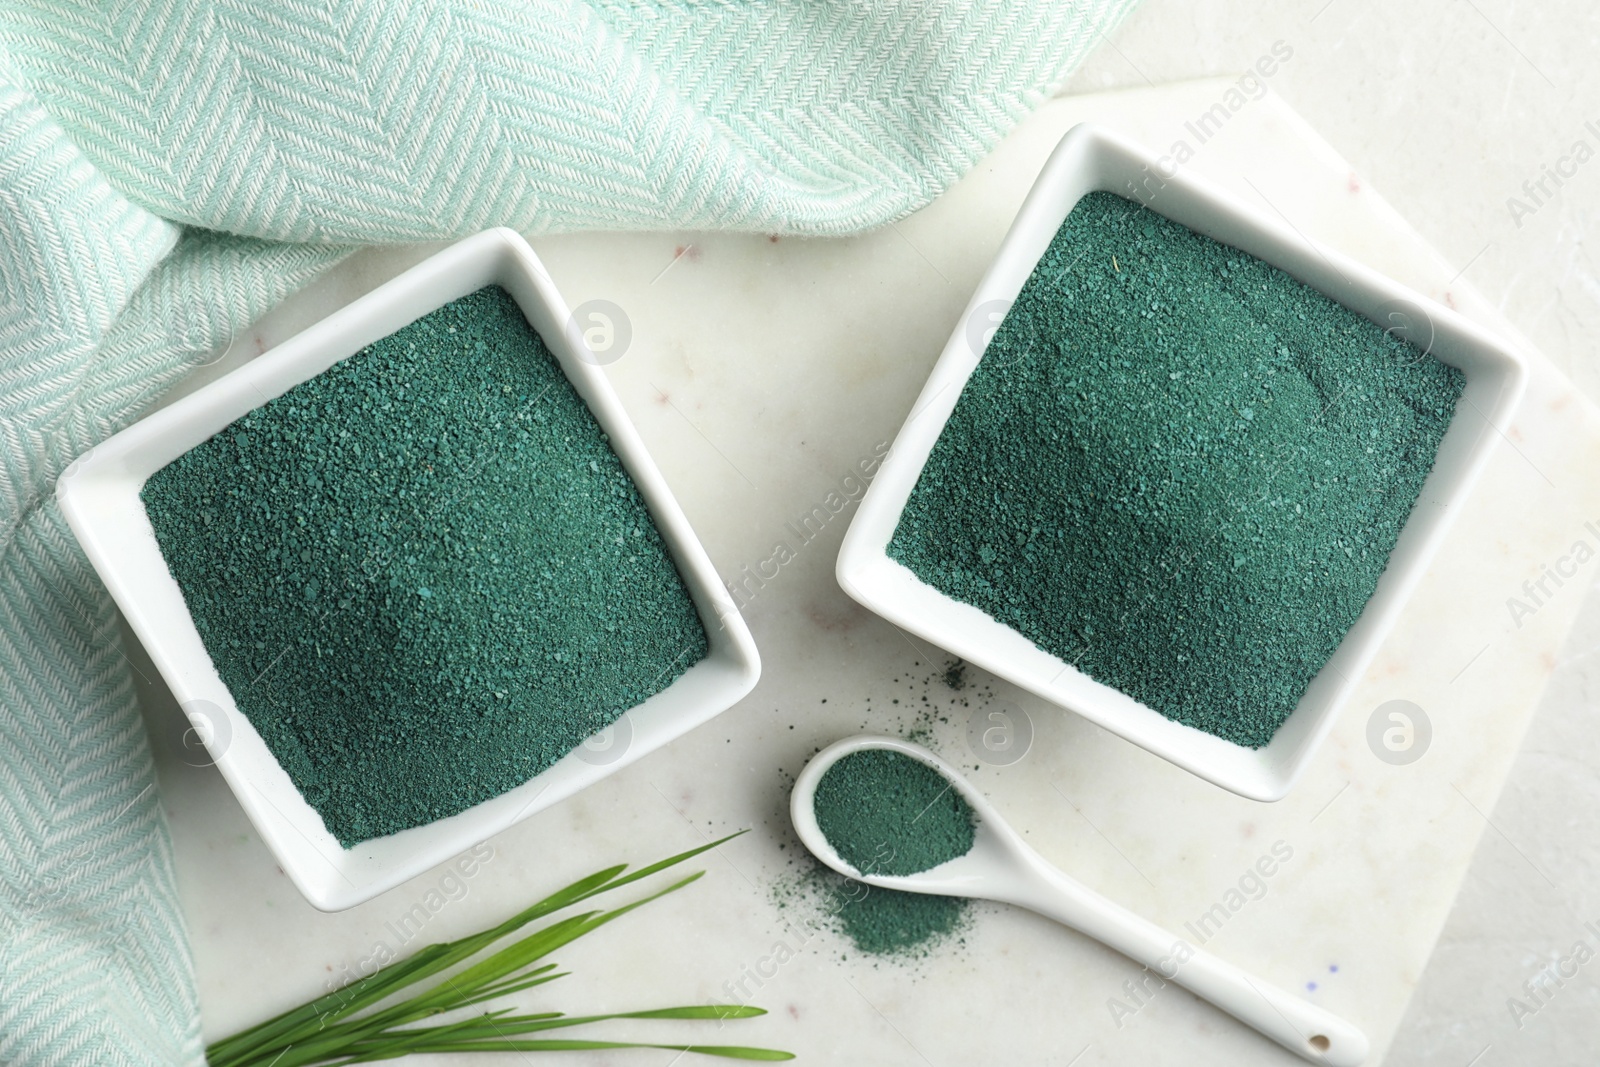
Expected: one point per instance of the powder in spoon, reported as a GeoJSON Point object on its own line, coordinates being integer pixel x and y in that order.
{"type": "Point", "coordinates": [887, 813]}
{"type": "Point", "coordinates": [1178, 468]}
{"type": "Point", "coordinates": [424, 575]}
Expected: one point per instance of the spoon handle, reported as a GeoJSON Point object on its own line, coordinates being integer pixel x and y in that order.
{"type": "Point", "coordinates": [1297, 1025]}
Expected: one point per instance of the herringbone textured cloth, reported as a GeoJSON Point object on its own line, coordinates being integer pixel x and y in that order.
{"type": "Point", "coordinates": [301, 128]}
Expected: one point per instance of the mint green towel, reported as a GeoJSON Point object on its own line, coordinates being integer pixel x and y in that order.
{"type": "Point", "coordinates": [170, 169]}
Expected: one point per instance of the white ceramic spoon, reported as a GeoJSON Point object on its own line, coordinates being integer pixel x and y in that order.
{"type": "Point", "coordinates": [1001, 866]}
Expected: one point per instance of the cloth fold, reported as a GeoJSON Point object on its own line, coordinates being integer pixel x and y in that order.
{"type": "Point", "coordinates": [170, 170]}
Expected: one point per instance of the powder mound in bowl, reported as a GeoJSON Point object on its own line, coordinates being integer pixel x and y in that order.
{"type": "Point", "coordinates": [1178, 468]}
{"type": "Point", "coordinates": [889, 814]}
{"type": "Point", "coordinates": [424, 575]}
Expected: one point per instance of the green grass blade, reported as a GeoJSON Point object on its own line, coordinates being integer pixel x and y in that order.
{"type": "Point", "coordinates": [700, 1011]}
{"type": "Point", "coordinates": [732, 1052]}
{"type": "Point", "coordinates": [581, 890]}
{"type": "Point", "coordinates": [513, 986]}
{"type": "Point", "coordinates": [517, 982]}
{"type": "Point", "coordinates": [317, 1024]}
{"type": "Point", "coordinates": [313, 1016]}
{"type": "Point", "coordinates": [673, 861]}
{"type": "Point", "coordinates": [405, 1042]}
{"type": "Point", "coordinates": [504, 964]}
{"type": "Point", "coordinates": [457, 990]}
{"type": "Point", "coordinates": [462, 989]}
{"type": "Point", "coordinates": [533, 947]}
{"type": "Point", "coordinates": [503, 1025]}
{"type": "Point", "coordinates": [297, 1024]}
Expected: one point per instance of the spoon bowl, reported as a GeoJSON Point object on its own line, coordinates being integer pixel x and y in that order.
{"type": "Point", "coordinates": [982, 873]}
{"type": "Point", "coordinates": [1001, 866]}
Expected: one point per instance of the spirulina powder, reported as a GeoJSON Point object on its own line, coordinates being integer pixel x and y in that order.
{"type": "Point", "coordinates": [889, 922]}
{"type": "Point", "coordinates": [1178, 468]}
{"type": "Point", "coordinates": [424, 575]}
{"type": "Point", "coordinates": [886, 813]}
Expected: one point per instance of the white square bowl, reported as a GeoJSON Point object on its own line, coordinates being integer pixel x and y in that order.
{"type": "Point", "coordinates": [99, 494]}
{"type": "Point", "coordinates": [1089, 159]}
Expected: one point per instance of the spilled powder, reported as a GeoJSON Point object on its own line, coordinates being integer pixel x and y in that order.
{"type": "Point", "coordinates": [885, 924]}
{"type": "Point", "coordinates": [890, 927]}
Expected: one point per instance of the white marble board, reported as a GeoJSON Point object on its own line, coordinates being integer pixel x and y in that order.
{"type": "Point", "coordinates": [760, 372]}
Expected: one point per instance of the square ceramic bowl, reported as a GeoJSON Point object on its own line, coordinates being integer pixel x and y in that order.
{"type": "Point", "coordinates": [1089, 159]}
{"type": "Point", "coordinates": [99, 493]}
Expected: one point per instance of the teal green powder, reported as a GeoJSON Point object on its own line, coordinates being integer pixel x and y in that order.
{"type": "Point", "coordinates": [886, 813]}
{"type": "Point", "coordinates": [1178, 468]}
{"type": "Point", "coordinates": [424, 575]}
{"type": "Point", "coordinates": [887, 922]}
